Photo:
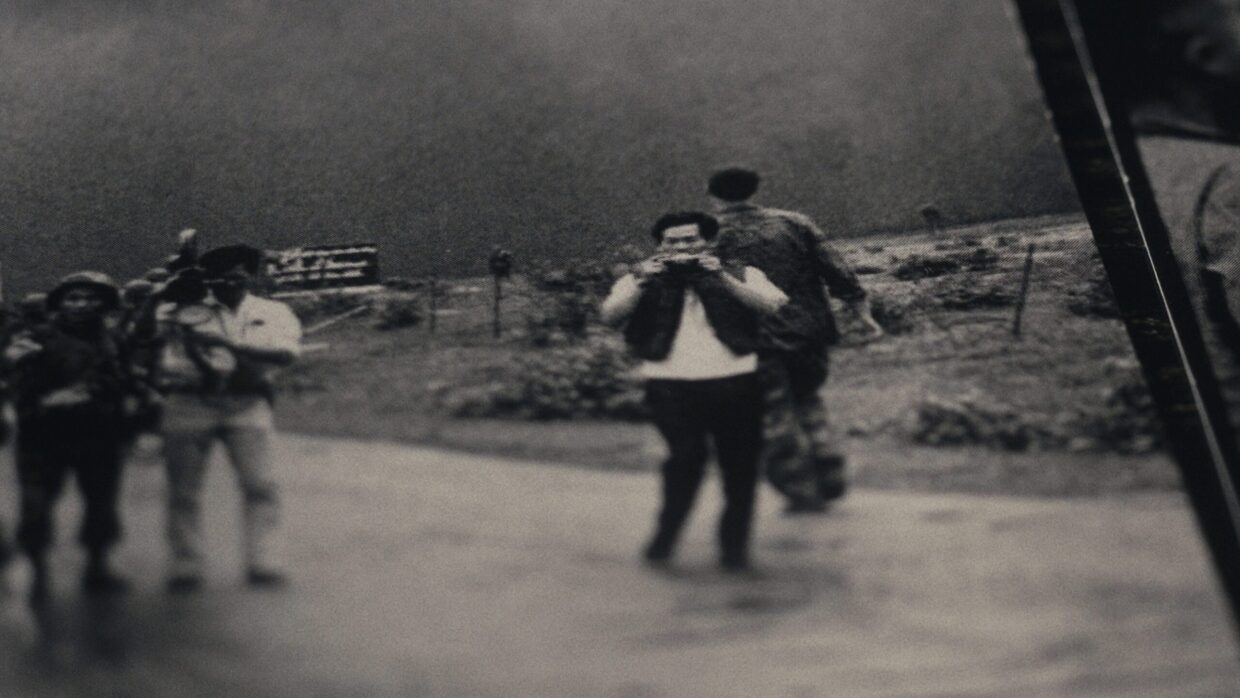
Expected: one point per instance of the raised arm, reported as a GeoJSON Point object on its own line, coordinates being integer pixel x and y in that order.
{"type": "Point", "coordinates": [622, 300]}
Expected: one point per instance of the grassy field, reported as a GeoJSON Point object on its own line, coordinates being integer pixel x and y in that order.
{"type": "Point", "coordinates": [1061, 371]}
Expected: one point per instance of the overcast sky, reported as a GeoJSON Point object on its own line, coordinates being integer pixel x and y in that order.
{"type": "Point", "coordinates": [439, 128]}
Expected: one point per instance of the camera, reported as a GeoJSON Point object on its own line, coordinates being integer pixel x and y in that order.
{"type": "Point", "coordinates": [187, 290]}
{"type": "Point", "coordinates": [682, 264]}
{"type": "Point", "coordinates": [186, 287]}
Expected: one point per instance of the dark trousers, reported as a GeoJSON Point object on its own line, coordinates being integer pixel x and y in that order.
{"type": "Point", "coordinates": [45, 456]}
{"type": "Point", "coordinates": [727, 411]}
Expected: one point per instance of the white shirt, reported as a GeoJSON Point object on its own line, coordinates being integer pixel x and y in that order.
{"type": "Point", "coordinates": [176, 369]}
{"type": "Point", "coordinates": [261, 322]}
{"type": "Point", "coordinates": [697, 353]}
{"type": "Point", "coordinates": [258, 322]}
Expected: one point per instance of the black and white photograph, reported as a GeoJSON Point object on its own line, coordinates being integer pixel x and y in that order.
{"type": "Point", "coordinates": [552, 348]}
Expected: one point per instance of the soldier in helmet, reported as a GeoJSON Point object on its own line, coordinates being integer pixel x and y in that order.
{"type": "Point", "coordinates": [31, 313]}
{"type": "Point", "coordinates": [71, 383]}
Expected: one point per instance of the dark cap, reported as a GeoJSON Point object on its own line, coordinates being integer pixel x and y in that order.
{"type": "Point", "coordinates": [221, 260]}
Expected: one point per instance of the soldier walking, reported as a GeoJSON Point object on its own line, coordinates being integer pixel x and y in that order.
{"type": "Point", "coordinates": [71, 384]}
{"type": "Point", "coordinates": [802, 458]}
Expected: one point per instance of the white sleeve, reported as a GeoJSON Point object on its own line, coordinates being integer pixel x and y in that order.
{"type": "Point", "coordinates": [622, 292]}
{"type": "Point", "coordinates": [757, 282]}
{"type": "Point", "coordinates": [279, 329]}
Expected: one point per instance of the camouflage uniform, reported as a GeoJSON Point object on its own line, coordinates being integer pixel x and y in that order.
{"type": "Point", "coordinates": [802, 459]}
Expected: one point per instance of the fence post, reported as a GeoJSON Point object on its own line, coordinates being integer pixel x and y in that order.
{"type": "Point", "coordinates": [434, 293]}
{"type": "Point", "coordinates": [500, 265]}
{"type": "Point", "coordinates": [499, 295]}
{"type": "Point", "coordinates": [1024, 292]}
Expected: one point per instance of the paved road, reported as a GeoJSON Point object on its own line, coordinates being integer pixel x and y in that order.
{"type": "Point", "coordinates": [420, 572]}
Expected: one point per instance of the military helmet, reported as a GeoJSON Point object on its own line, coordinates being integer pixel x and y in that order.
{"type": "Point", "coordinates": [157, 275]}
{"type": "Point", "coordinates": [136, 290]}
{"type": "Point", "coordinates": [96, 280]}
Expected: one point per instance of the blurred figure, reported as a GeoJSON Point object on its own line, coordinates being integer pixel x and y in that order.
{"type": "Point", "coordinates": [135, 295]}
{"type": "Point", "coordinates": [31, 311]}
{"type": "Point", "coordinates": [217, 376]}
{"type": "Point", "coordinates": [692, 318]}
{"type": "Point", "coordinates": [70, 382]}
{"type": "Point", "coordinates": [802, 458]}
{"type": "Point", "coordinates": [157, 276]}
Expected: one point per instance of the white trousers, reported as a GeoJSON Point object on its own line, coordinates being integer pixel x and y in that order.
{"type": "Point", "coordinates": [248, 445]}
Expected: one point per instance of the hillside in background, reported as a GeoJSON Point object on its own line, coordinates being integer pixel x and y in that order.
{"type": "Point", "coordinates": [439, 129]}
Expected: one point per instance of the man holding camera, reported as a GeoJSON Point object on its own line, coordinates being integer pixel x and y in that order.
{"type": "Point", "coordinates": [693, 320]}
{"type": "Point", "coordinates": [802, 460]}
{"type": "Point", "coordinates": [72, 388]}
{"type": "Point", "coordinates": [215, 370]}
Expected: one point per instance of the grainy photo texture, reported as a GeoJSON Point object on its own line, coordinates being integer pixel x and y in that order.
{"type": "Point", "coordinates": [546, 348]}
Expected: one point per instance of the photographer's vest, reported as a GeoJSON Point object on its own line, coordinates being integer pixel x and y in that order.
{"type": "Point", "coordinates": [653, 325]}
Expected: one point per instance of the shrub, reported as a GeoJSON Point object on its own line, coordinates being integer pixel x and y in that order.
{"type": "Point", "coordinates": [917, 267]}
{"type": "Point", "coordinates": [979, 259]}
{"type": "Point", "coordinates": [894, 315]}
{"type": "Point", "coordinates": [1127, 421]}
{"type": "Point", "coordinates": [566, 302]}
{"type": "Point", "coordinates": [589, 379]}
{"type": "Point", "coordinates": [1124, 421]}
{"type": "Point", "coordinates": [1093, 296]}
{"type": "Point", "coordinates": [313, 308]}
{"type": "Point", "coordinates": [973, 420]}
{"type": "Point", "coordinates": [971, 296]}
{"type": "Point", "coordinates": [399, 312]}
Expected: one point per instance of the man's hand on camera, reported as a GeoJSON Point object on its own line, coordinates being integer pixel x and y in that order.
{"type": "Point", "coordinates": [651, 267]}
{"type": "Point", "coordinates": [710, 263]}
